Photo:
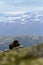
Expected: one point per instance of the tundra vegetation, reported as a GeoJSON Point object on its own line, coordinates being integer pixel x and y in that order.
{"type": "Point", "coordinates": [32, 55]}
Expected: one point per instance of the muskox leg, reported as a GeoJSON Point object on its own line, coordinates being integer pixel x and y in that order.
{"type": "Point", "coordinates": [11, 46]}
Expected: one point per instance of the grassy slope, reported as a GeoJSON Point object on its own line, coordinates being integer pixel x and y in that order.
{"type": "Point", "coordinates": [23, 56]}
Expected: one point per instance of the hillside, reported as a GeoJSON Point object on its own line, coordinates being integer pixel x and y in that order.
{"type": "Point", "coordinates": [32, 55]}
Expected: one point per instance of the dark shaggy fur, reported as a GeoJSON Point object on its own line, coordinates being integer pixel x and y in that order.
{"type": "Point", "coordinates": [14, 44]}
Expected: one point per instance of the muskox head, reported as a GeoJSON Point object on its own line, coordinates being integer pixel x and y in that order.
{"type": "Point", "coordinates": [14, 44]}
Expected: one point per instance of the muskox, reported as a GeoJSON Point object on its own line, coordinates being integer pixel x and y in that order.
{"type": "Point", "coordinates": [14, 44]}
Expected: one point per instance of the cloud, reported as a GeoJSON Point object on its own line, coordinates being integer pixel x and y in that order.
{"type": "Point", "coordinates": [14, 13]}
{"type": "Point", "coordinates": [22, 17]}
{"type": "Point", "coordinates": [17, 5]}
{"type": "Point", "coordinates": [25, 2]}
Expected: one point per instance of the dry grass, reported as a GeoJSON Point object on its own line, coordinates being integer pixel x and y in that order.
{"type": "Point", "coordinates": [22, 56]}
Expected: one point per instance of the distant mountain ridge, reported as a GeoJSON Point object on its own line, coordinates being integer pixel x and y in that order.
{"type": "Point", "coordinates": [24, 40]}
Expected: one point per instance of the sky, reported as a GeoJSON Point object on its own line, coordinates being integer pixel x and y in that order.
{"type": "Point", "coordinates": [17, 5]}
{"type": "Point", "coordinates": [20, 6]}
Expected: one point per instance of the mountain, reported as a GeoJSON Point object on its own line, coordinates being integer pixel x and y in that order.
{"type": "Point", "coordinates": [24, 40]}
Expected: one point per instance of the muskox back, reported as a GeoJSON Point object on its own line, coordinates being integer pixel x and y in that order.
{"type": "Point", "coordinates": [14, 44]}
